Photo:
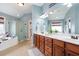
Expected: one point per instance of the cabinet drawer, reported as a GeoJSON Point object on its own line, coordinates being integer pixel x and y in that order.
{"type": "Point", "coordinates": [41, 44]}
{"type": "Point", "coordinates": [48, 39]}
{"type": "Point", "coordinates": [48, 49]}
{"type": "Point", "coordinates": [42, 41]}
{"type": "Point", "coordinates": [59, 43]}
{"type": "Point", "coordinates": [72, 47]}
{"type": "Point", "coordinates": [49, 44]}
{"type": "Point", "coordinates": [58, 51]}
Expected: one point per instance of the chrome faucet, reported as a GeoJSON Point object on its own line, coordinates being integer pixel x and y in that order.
{"type": "Point", "coordinates": [74, 37]}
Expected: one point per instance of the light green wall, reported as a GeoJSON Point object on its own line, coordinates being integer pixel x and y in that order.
{"type": "Point", "coordinates": [21, 30]}
{"type": "Point", "coordinates": [23, 26]}
{"type": "Point", "coordinates": [8, 19]}
{"type": "Point", "coordinates": [37, 22]}
{"type": "Point", "coordinates": [36, 13]}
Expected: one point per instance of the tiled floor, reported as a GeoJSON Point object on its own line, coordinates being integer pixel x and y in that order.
{"type": "Point", "coordinates": [22, 49]}
{"type": "Point", "coordinates": [34, 52]}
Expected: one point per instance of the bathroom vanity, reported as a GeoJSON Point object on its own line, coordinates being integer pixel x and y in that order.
{"type": "Point", "coordinates": [56, 45]}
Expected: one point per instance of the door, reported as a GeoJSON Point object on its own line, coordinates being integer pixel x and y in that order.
{"type": "Point", "coordinates": [19, 30]}
{"type": "Point", "coordinates": [29, 29]}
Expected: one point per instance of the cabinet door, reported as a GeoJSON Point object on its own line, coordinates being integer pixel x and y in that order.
{"type": "Point", "coordinates": [69, 53]}
{"type": "Point", "coordinates": [72, 47]}
{"type": "Point", "coordinates": [58, 51]}
{"type": "Point", "coordinates": [48, 42]}
{"type": "Point", "coordinates": [48, 46]}
{"type": "Point", "coordinates": [42, 44]}
{"type": "Point", "coordinates": [38, 41]}
{"type": "Point", "coordinates": [34, 40]}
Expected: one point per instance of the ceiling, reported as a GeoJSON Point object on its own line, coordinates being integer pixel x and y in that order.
{"type": "Point", "coordinates": [38, 4]}
{"type": "Point", "coordinates": [14, 10]}
{"type": "Point", "coordinates": [17, 11]}
{"type": "Point", "coordinates": [58, 11]}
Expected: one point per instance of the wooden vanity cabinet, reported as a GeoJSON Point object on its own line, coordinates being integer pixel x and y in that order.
{"type": "Point", "coordinates": [42, 44]}
{"type": "Point", "coordinates": [48, 46]}
{"type": "Point", "coordinates": [54, 47]}
{"type": "Point", "coordinates": [58, 48]}
{"type": "Point", "coordinates": [72, 49]}
{"type": "Point", "coordinates": [38, 41]}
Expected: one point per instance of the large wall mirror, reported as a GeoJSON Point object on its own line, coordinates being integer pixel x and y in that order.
{"type": "Point", "coordinates": [56, 26]}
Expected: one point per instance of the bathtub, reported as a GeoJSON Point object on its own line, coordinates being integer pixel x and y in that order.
{"type": "Point", "coordinates": [8, 42]}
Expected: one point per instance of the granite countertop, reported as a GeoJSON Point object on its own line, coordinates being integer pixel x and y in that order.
{"type": "Point", "coordinates": [62, 37]}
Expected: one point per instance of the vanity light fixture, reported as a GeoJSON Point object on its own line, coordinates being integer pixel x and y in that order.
{"type": "Point", "coordinates": [20, 4]}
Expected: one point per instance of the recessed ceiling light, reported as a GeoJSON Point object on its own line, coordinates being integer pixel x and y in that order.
{"type": "Point", "coordinates": [56, 17]}
{"type": "Point", "coordinates": [65, 3]}
{"type": "Point", "coordinates": [20, 4]}
{"type": "Point", "coordinates": [51, 13]}
{"type": "Point", "coordinates": [68, 4]}
{"type": "Point", "coordinates": [18, 15]}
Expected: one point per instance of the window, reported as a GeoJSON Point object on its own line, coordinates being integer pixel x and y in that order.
{"type": "Point", "coordinates": [56, 26]}
{"type": "Point", "coordinates": [2, 30]}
